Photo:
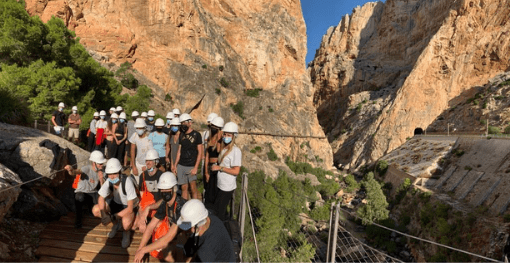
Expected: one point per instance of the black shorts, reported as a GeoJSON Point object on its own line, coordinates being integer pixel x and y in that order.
{"type": "Point", "coordinates": [115, 207]}
{"type": "Point", "coordinates": [162, 161]}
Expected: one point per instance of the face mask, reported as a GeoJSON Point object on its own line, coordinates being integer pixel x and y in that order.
{"type": "Point", "coordinates": [214, 131]}
{"type": "Point", "coordinates": [167, 196]}
{"type": "Point", "coordinates": [122, 120]}
{"type": "Point", "coordinates": [167, 122]}
{"type": "Point", "coordinates": [74, 112]}
{"type": "Point", "coordinates": [184, 128]}
{"type": "Point", "coordinates": [174, 128]}
{"type": "Point", "coordinates": [227, 140]}
{"type": "Point", "coordinates": [140, 132]}
{"type": "Point", "coordinates": [159, 129]}
{"type": "Point", "coordinates": [151, 170]}
{"type": "Point", "coordinates": [60, 109]}
{"type": "Point", "coordinates": [114, 181]}
{"type": "Point", "coordinates": [114, 121]}
{"type": "Point", "coordinates": [151, 119]}
{"type": "Point", "coordinates": [102, 117]}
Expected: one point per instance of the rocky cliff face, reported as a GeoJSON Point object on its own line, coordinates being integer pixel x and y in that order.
{"type": "Point", "coordinates": [216, 48]}
{"type": "Point", "coordinates": [391, 68]}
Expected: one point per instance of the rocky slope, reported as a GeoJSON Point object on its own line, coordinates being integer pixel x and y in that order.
{"type": "Point", "coordinates": [216, 48]}
{"type": "Point", "coordinates": [392, 67]}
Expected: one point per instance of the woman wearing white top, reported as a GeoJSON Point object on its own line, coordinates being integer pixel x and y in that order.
{"type": "Point", "coordinates": [230, 165]}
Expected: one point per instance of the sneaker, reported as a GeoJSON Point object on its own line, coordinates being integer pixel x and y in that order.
{"type": "Point", "coordinates": [114, 230]}
{"type": "Point", "coordinates": [126, 239]}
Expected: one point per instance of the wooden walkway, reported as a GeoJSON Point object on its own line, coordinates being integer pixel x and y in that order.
{"type": "Point", "coordinates": [61, 242]}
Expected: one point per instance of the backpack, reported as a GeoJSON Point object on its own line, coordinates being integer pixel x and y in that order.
{"type": "Point", "coordinates": [123, 182]}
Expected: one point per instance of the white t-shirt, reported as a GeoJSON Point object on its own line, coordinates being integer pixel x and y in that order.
{"type": "Point", "coordinates": [227, 182]}
{"type": "Point", "coordinates": [101, 124]}
{"type": "Point", "coordinates": [89, 185]}
{"type": "Point", "coordinates": [118, 195]}
{"type": "Point", "coordinates": [142, 146]}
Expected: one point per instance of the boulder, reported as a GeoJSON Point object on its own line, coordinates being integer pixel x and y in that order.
{"type": "Point", "coordinates": [47, 192]}
{"type": "Point", "coordinates": [8, 195]}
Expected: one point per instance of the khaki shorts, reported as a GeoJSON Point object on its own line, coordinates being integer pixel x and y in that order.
{"type": "Point", "coordinates": [74, 133]}
{"type": "Point", "coordinates": [183, 174]}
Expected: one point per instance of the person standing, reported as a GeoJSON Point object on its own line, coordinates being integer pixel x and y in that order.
{"type": "Point", "coordinates": [92, 133]}
{"type": "Point", "coordinates": [160, 142]}
{"type": "Point", "coordinates": [177, 113]}
{"type": "Point", "coordinates": [211, 158]}
{"type": "Point", "coordinates": [120, 210]}
{"type": "Point", "coordinates": [120, 137]}
{"type": "Point", "coordinates": [169, 117]}
{"type": "Point", "coordinates": [140, 145]}
{"type": "Point", "coordinates": [111, 144]}
{"type": "Point", "coordinates": [229, 167]}
{"type": "Point", "coordinates": [188, 157]}
{"type": "Point", "coordinates": [101, 126]}
{"type": "Point", "coordinates": [74, 125]}
{"type": "Point", "coordinates": [150, 121]}
{"type": "Point", "coordinates": [86, 189]}
{"type": "Point", "coordinates": [58, 119]}
{"type": "Point", "coordinates": [130, 131]}
{"type": "Point", "coordinates": [173, 142]}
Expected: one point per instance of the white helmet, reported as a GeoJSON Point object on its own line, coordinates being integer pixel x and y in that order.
{"type": "Point", "coordinates": [113, 166]}
{"type": "Point", "coordinates": [135, 114]}
{"type": "Point", "coordinates": [167, 180]}
{"type": "Point", "coordinates": [211, 117]}
{"type": "Point", "coordinates": [175, 121]}
{"type": "Point", "coordinates": [140, 123]}
{"type": "Point", "coordinates": [61, 105]}
{"type": "Point", "coordinates": [192, 213]}
{"type": "Point", "coordinates": [159, 123]}
{"type": "Point", "coordinates": [112, 109]}
{"type": "Point", "coordinates": [151, 155]}
{"type": "Point", "coordinates": [170, 115]}
{"type": "Point", "coordinates": [97, 157]}
{"type": "Point", "coordinates": [119, 108]}
{"type": "Point", "coordinates": [144, 114]}
{"type": "Point", "coordinates": [151, 113]}
{"type": "Point", "coordinates": [102, 113]}
{"type": "Point", "coordinates": [75, 108]}
{"type": "Point", "coordinates": [122, 115]}
{"type": "Point", "coordinates": [231, 128]}
{"type": "Point", "coordinates": [218, 122]}
{"type": "Point", "coordinates": [184, 117]}
{"type": "Point", "coordinates": [176, 111]}
{"type": "Point", "coordinates": [96, 114]}
{"type": "Point", "coordinates": [114, 116]}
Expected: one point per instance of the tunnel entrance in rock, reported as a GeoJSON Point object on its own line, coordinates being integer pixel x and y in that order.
{"type": "Point", "coordinates": [418, 131]}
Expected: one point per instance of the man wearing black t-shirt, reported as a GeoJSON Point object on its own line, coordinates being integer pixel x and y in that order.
{"type": "Point", "coordinates": [188, 157]}
{"type": "Point", "coordinates": [58, 120]}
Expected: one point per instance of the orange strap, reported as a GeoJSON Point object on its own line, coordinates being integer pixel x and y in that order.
{"type": "Point", "coordinates": [146, 196]}
{"type": "Point", "coordinates": [76, 181]}
{"type": "Point", "coordinates": [160, 231]}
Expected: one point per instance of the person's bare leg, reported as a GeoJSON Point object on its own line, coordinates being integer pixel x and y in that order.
{"type": "Point", "coordinates": [194, 192]}
{"type": "Point", "coordinates": [184, 189]}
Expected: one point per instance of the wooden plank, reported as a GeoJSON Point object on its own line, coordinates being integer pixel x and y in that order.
{"type": "Point", "coordinates": [99, 231]}
{"type": "Point", "coordinates": [55, 259]}
{"type": "Point", "coordinates": [82, 255]}
{"type": "Point", "coordinates": [86, 247]}
{"type": "Point", "coordinates": [116, 241]}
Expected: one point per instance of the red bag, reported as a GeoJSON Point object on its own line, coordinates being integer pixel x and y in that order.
{"type": "Point", "coordinates": [76, 181]}
{"type": "Point", "coordinates": [160, 231]}
{"type": "Point", "coordinates": [147, 198]}
{"type": "Point", "coordinates": [99, 136]}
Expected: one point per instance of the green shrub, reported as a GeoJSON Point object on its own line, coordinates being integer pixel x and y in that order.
{"type": "Point", "coordinates": [506, 218]}
{"type": "Point", "coordinates": [499, 97]}
{"type": "Point", "coordinates": [224, 82]}
{"type": "Point", "coordinates": [252, 92]}
{"type": "Point", "coordinates": [221, 68]}
{"type": "Point", "coordinates": [272, 155]}
{"type": "Point", "coordinates": [494, 130]}
{"type": "Point", "coordinates": [377, 206]}
{"type": "Point", "coordinates": [381, 167]}
{"type": "Point", "coordinates": [238, 108]}
{"type": "Point", "coordinates": [351, 183]}
{"type": "Point", "coordinates": [359, 107]}
{"type": "Point", "coordinates": [204, 66]}
{"type": "Point", "coordinates": [218, 91]}
{"type": "Point", "coordinates": [483, 121]}
{"type": "Point", "coordinates": [271, 110]}
{"type": "Point", "coordinates": [168, 97]}
{"type": "Point", "coordinates": [504, 83]}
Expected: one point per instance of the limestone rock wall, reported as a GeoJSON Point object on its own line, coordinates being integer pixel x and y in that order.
{"type": "Point", "coordinates": [392, 67]}
{"type": "Point", "coordinates": [185, 47]}
{"type": "Point", "coordinates": [8, 179]}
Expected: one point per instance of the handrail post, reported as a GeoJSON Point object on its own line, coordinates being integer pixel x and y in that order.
{"type": "Point", "coordinates": [335, 233]}
{"type": "Point", "coordinates": [331, 216]}
{"type": "Point", "coordinates": [48, 126]}
{"type": "Point", "coordinates": [35, 124]}
{"type": "Point", "coordinates": [242, 209]}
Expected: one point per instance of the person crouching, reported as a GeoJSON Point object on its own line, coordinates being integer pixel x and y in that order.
{"type": "Point", "coordinates": [121, 208]}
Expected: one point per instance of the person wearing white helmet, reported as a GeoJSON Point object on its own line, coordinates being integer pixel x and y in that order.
{"type": "Point", "coordinates": [143, 115]}
{"type": "Point", "coordinates": [119, 110]}
{"type": "Point", "coordinates": [86, 182]}
{"type": "Point", "coordinates": [130, 131]}
{"type": "Point", "coordinates": [92, 133]}
{"type": "Point", "coordinates": [140, 144]}
{"type": "Point", "coordinates": [150, 197]}
{"type": "Point", "coordinates": [209, 240]}
{"type": "Point", "coordinates": [111, 144]}
{"type": "Point", "coordinates": [111, 111]}
{"type": "Point", "coordinates": [119, 129]}
{"type": "Point", "coordinates": [177, 113]}
{"type": "Point", "coordinates": [163, 226]}
{"type": "Point", "coordinates": [207, 132]}
{"type": "Point", "coordinates": [173, 141]}
{"type": "Point", "coordinates": [212, 152]}
{"type": "Point", "coordinates": [58, 120]}
{"type": "Point", "coordinates": [188, 157]}
{"type": "Point", "coordinates": [229, 167]}
{"type": "Point", "coordinates": [150, 120]}
{"type": "Point", "coordinates": [74, 121]}
{"type": "Point", "coordinates": [101, 126]}
{"type": "Point", "coordinates": [121, 209]}
{"type": "Point", "coordinates": [160, 142]}
{"type": "Point", "coordinates": [169, 117]}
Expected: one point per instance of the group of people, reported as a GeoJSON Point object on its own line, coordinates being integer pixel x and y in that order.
{"type": "Point", "coordinates": [159, 196]}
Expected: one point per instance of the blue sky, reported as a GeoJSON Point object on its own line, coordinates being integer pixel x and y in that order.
{"type": "Point", "coordinates": [320, 15]}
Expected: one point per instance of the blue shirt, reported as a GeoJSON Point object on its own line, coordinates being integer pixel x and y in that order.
{"type": "Point", "coordinates": [159, 141]}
